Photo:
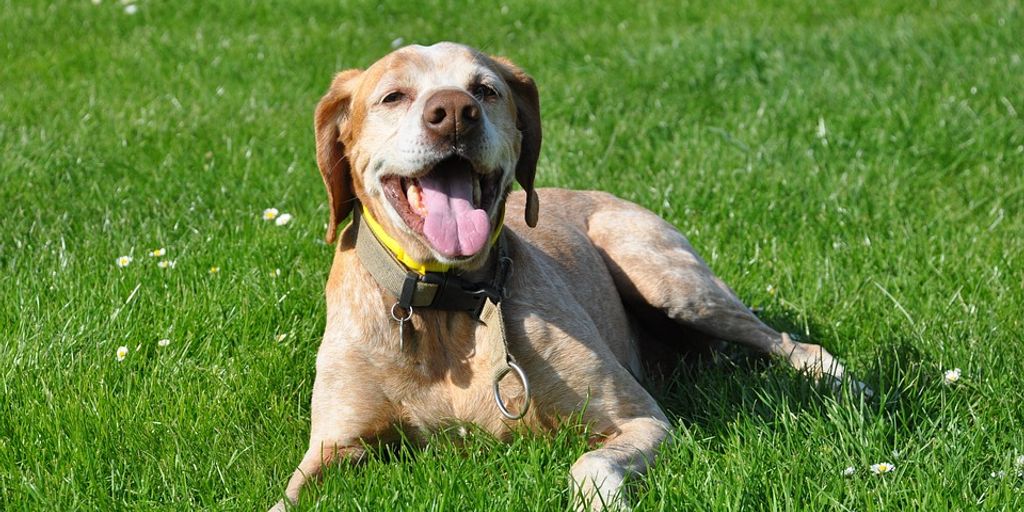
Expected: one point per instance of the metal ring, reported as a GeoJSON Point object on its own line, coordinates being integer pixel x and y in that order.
{"type": "Point", "coordinates": [395, 317]}
{"type": "Point", "coordinates": [526, 391]}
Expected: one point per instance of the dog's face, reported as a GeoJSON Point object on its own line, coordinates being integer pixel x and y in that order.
{"type": "Point", "coordinates": [429, 139]}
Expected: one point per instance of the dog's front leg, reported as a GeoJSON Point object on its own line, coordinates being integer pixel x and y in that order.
{"type": "Point", "coordinates": [311, 469]}
{"type": "Point", "coordinates": [347, 410]}
{"type": "Point", "coordinates": [598, 475]}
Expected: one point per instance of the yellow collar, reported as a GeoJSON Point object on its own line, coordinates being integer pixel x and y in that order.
{"type": "Point", "coordinates": [410, 263]}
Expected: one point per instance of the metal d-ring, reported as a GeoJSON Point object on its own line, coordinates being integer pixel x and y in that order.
{"type": "Point", "coordinates": [395, 317]}
{"type": "Point", "coordinates": [401, 325]}
{"type": "Point", "coordinates": [526, 391]}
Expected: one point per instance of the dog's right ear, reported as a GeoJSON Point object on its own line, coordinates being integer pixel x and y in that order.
{"type": "Point", "coordinates": [330, 120]}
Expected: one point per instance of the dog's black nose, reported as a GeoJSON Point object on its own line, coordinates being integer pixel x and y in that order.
{"type": "Point", "coordinates": [451, 114]}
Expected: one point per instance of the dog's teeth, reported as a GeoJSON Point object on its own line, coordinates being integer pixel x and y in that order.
{"type": "Point", "coordinates": [415, 198]}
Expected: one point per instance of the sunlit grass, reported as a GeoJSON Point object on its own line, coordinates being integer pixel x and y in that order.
{"type": "Point", "coordinates": [854, 169]}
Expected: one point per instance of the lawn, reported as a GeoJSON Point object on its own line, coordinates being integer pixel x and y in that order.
{"type": "Point", "coordinates": [853, 169]}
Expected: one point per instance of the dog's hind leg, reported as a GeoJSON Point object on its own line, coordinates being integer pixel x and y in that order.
{"type": "Point", "coordinates": [652, 263]}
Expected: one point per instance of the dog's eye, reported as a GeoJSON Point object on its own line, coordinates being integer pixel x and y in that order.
{"type": "Point", "coordinates": [393, 97]}
{"type": "Point", "coordinates": [484, 91]}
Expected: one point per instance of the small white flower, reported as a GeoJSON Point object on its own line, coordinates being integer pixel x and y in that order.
{"type": "Point", "coordinates": [1019, 461]}
{"type": "Point", "coordinates": [124, 261]}
{"type": "Point", "coordinates": [285, 218]}
{"type": "Point", "coordinates": [270, 214]}
{"type": "Point", "coordinates": [275, 273]}
{"type": "Point", "coordinates": [122, 352]}
{"type": "Point", "coordinates": [951, 376]}
{"type": "Point", "coordinates": [849, 471]}
{"type": "Point", "coordinates": [131, 9]}
{"type": "Point", "coordinates": [96, 2]}
{"type": "Point", "coordinates": [163, 343]}
{"type": "Point", "coordinates": [398, 41]}
{"type": "Point", "coordinates": [882, 468]}
{"type": "Point", "coordinates": [156, 253]}
{"type": "Point", "coordinates": [214, 270]}
{"type": "Point", "coordinates": [281, 337]}
{"type": "Point", "coordinates": [998, 474]}
{"type": "Point", "coordinates": [166, 264]}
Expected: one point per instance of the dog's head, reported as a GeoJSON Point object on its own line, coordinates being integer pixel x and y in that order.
{"type": "Point", "coordinates": [429, 139]}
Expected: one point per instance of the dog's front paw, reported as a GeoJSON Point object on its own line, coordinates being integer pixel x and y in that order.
{"type": "Point", "coordinates": [597, 485]}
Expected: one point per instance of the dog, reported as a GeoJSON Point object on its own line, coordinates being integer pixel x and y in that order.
{"type": "Point", "coordinates": [443, 311]}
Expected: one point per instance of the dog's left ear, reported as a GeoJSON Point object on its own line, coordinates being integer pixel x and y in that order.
{"type": "Point", "coordinates": [330, 122]}
{"type": "Point", "coordinates": [527, 100]}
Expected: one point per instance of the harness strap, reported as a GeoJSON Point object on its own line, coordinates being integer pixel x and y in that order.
{"type": "Point", "coordinates": [502, 360]}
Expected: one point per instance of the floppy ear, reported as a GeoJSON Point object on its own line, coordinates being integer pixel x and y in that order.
{"type": "Point", "coordinates": [331, 115]}
{"type": "Point", "coordinates": [527, 100]}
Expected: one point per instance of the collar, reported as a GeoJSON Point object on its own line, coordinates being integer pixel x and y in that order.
{"type": "Point", "coordinates": [409, 262]}
{"type": "Point", "coordinates": [446, 290]}
{"type": "Point", "coordinates": [431, 285]}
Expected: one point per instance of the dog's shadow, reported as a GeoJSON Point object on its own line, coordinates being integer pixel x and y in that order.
{"type": "Point", "coordinates": [711, 384]}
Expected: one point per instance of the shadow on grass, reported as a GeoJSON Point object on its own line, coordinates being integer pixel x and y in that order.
{"type": "Point", "coordinates": [714, 383]}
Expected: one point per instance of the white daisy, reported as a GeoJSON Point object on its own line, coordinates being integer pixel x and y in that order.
{"type": "Point", "coordinates": [131, 9]}
{"type": "Point", "coordinates": [951, 376]}
{"type": "Point", "coordinates": [270, 214]}
{"type": "Point", "coordinates": [124, 261]}
{"type": "Point", "coordinates": [166, 264]}
{"type": "Point", "coordinates": [275, 273]}
{"type": "Point", "coordinates": [849, 471]}
{"type": "Point", "coordinates": [163, 343]}
{"type": "Point", "coordinates": [882, 468]}
{"type": "Point", "coordinates": [122, 352]}
{"type": "Point", "coordinates": [214, 270]}
{"type": "Point", "coordinates": [156, 253]}
{"type": "Point", "coordinates": [285, 218]}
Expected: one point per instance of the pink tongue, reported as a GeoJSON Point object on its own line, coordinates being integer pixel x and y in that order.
{"type": "Point", "coordinates": [452, 225]}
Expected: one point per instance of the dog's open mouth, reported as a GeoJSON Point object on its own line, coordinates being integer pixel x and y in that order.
{"type": "Point", "coordinates": [448, 205]}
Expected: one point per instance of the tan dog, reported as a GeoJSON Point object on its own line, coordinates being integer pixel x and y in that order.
{"type": "Point", "coordinates": [428, 141]}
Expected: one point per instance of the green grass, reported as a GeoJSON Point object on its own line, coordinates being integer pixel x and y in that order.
{"type": "Point", "coordinates": [856, 169]}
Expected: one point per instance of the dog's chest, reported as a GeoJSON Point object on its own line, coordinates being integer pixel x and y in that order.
{"type": "Point", "coordinates": [449, 360]}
